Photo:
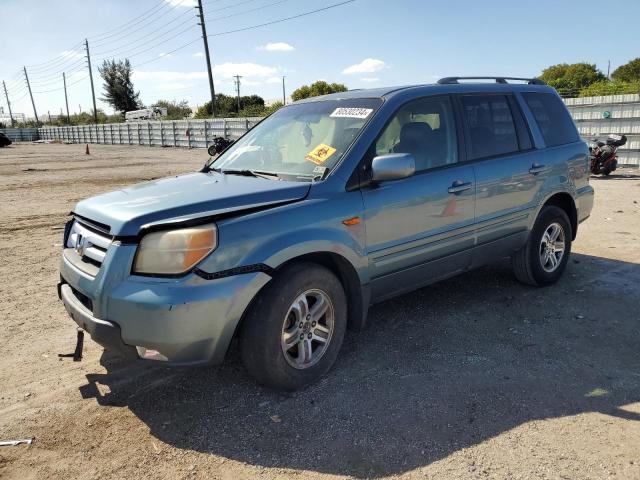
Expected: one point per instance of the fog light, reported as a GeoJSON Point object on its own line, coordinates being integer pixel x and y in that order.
{"type": "Point", "coordinates": [148, 354]}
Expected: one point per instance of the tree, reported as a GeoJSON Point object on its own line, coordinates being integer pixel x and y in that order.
{"type": "Point", "coordinates": [570, 79]}
{"type": "Point", "coordinates": [607, 87]}
{"type": "Point", "coordinates": [119, 92]}
{"type": "Point", "coordinates": [629, 72]}
{"type": "Point", "coordinates": [317, 88]}
{"type": "Point", "coordinates": [175, 110]}
{"type": "Point", "coordinates": [227, 106]}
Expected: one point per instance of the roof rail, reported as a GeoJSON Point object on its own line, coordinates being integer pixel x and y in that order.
{"type": "Point", "coordinates": [454, 80]}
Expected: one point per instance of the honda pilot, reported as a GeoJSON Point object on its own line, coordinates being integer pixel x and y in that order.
{"type": "Point", "coordinates": [326, 207]}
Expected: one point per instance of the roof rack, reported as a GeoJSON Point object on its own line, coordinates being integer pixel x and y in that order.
{"type": "Point", "coordinates": [454, 80]}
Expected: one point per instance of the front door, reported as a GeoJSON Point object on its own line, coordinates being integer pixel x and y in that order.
{"type": "Point", "coordinates": [420, 229]}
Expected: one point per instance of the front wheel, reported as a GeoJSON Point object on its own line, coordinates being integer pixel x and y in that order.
{"type": "Point", "coordinates": [293, 332]}
{"type": "Point", "coordinates": [544, 257]}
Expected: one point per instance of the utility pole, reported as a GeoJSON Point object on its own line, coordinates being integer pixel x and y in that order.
{"type": "Point", "coordinates": [66, 100]}
{"type": "Point", "coordinates": [49, 115]}
{"type": "Point", "coordinates": [93, 93]}
{"type": "Point", "coordinates": [237, 82]}
{"type": "Point", "coordinates": [206, 53]}
{"type": "Point", "coordinates": [31, 95]}
{"type": "Point", "coordinates": [8, 102]}
{"type": "Point", "coordinates": [608, 68]}
{"type": "Point", "coordinates": [284, 97]}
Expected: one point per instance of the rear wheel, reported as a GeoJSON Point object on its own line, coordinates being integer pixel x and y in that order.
{"type": "Point", "coordinates": [293, 332]}
{"type": "Point", "coordinates": [544, 257]}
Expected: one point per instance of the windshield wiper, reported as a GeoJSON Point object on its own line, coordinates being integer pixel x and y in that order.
{"type": "Point", "coordinates": [252, 173]}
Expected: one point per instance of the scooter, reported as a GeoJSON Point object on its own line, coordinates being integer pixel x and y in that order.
{"type": "Point", "coordinates": [603, 158]}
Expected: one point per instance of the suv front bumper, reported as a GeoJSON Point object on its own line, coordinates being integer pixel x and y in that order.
{"type": "Point", "coordinates": [188, 320]}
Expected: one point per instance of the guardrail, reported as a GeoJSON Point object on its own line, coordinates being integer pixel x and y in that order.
{"type": "Point", "coordinates": [169, 133]}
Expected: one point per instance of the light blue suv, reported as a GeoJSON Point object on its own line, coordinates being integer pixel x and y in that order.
{"type": "Point", "coordinates": [324, 208]}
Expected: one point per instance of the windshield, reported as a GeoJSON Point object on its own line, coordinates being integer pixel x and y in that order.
{"type": "Point", "coordinates": [301, 141]}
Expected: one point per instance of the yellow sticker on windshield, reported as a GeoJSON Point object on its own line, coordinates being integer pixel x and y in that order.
{"type": "Point", "coordinates": [320, 154]}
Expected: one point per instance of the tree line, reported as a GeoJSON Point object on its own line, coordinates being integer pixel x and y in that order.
{"type": "Point", "coordinates": [585, 80]}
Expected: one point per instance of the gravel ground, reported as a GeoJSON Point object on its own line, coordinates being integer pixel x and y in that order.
{"type": "Point", "coordinates": [475, 377]}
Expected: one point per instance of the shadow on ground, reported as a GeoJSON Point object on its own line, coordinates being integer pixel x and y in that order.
{"type": "Point", "coordinates": [435, 371]}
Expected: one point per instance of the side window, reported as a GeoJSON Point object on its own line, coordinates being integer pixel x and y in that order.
{"type": "Point", "coordinates": [490, 124]}
{"type": "Point", "coordinates": [426, 129]}
{"type": "Point", "coordinates": [552, 118]}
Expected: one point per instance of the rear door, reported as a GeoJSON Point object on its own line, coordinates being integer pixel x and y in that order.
{"type": "Point", "coordinates": [509, 172]}
{"type": "Point", "coordinates": [420, 229]}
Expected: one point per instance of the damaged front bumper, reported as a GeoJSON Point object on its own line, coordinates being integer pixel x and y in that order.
{"type": "Point", "coordinates": [187, 321]}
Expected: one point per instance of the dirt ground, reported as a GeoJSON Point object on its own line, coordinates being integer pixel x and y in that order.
{"type": "Point", "coordinates": [475, 377]}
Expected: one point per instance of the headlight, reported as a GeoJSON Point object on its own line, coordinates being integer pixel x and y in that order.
{"type": "Point", "coordinates": [175, 251]}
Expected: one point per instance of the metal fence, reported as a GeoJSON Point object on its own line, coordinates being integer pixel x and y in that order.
{"type": "Point", "coordinates": [597, 117]}
{"type": "Point", "coordinates": [170, 133]}
{"type": "Point", "coordinates": [21, 134]}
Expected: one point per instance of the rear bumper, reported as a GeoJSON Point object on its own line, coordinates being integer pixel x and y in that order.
{"type": "Point", "coordinates": [584, 197]}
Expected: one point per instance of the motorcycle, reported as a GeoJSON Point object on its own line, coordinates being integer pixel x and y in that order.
{"type": "Point", "coordinates": [219, 144]}
{"type": "Point", "coordinates": [603, 158]}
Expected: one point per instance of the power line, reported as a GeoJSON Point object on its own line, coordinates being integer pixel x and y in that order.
{"type": "Point", "coordinates": [249, 11]}
{"type": "Point", "coordinates": [152, 39]}
{"type": "Point", "coordinates": [273, 22]}
{"type": "Point", "coordinates": [150, 60]}
{"type": "Point", "coordinates": [62, 88]}
{"type": "Point", "coordinates": [125, 35]}
{"type": "Point", "coordinates": [134, 21]}
{"type": "Point", "coordinates": [156, 44]}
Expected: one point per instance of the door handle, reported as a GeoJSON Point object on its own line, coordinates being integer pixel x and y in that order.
{"type": "Point", "coordinates": [536, 168]}
{"type": "Point", "coordinates": [458, 186]}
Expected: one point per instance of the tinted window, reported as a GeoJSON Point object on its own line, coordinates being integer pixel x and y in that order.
{"type": "Point", "coordinates": [490, 123]}
{"type": "Point", "coordinates": [552, 118]}
{"type": "Point", "coordinates": [424, 128]}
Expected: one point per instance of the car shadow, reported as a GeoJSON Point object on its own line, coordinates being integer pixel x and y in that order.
{"type": "Point", "coordinates": [435, 371]}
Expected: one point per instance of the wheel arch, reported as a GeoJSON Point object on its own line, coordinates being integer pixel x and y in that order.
{"type": "Point", "coordinates": [566, 202]}
{"type": "Point", "coordinates": [357, 295]}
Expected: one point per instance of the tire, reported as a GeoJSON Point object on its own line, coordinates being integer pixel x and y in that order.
{"type": "Point", "coordinates": [278, 316]}
{"type": "Point", "coordinates": [529, 263]}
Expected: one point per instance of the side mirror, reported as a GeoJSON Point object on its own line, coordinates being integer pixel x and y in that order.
{"type": "Point", "coordinates": [392, 166]}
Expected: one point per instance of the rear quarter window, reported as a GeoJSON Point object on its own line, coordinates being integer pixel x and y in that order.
{"type": "Point", "coordinates": [552, 117]}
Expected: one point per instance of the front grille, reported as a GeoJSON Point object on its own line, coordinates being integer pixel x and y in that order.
{"type": "Point", "coordinates": [88, 243]}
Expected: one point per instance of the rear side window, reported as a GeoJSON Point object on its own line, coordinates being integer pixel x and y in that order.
{"type": "Point", "coordinates": [552, 118]}
{"type": "Point", "coordinates": [490, 125]}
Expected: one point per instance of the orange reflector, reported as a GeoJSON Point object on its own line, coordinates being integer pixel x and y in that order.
{"type": "Point", "coordinates": [351, 221]}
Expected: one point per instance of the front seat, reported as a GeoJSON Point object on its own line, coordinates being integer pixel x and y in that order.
{"type": "Point", "coordinates": [415, 138]}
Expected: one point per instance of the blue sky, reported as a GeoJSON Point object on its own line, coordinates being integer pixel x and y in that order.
{"type": "Point", "coordinates": [363, 44]}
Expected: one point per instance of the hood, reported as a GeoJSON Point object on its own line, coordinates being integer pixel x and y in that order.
{"type": "Point", "coordinates": [185, 197]}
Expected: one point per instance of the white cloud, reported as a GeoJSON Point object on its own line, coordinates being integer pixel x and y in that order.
{"type": "Point", "coordinates": [229, 70]}
{"type": "Point", "coordinates": [370, 79]}
{"type": "Point", "coordinates": [198, 54]}
{"type": "Point", "coordinates": [274, 80]}
{"type": "Point", "coordinates": [277, 47]}
{"type": "Point", "coordinates": [368, 65]}
{"type": "Point", "coordinates": [182, 3]}
{"type": "Point", "coordinates": [165, 55]}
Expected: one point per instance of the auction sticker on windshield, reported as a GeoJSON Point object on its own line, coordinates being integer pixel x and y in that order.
{"type": "Point", "coordinates": [320, 154]}
{"type": "Point", "coordinates": [345, 112]}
